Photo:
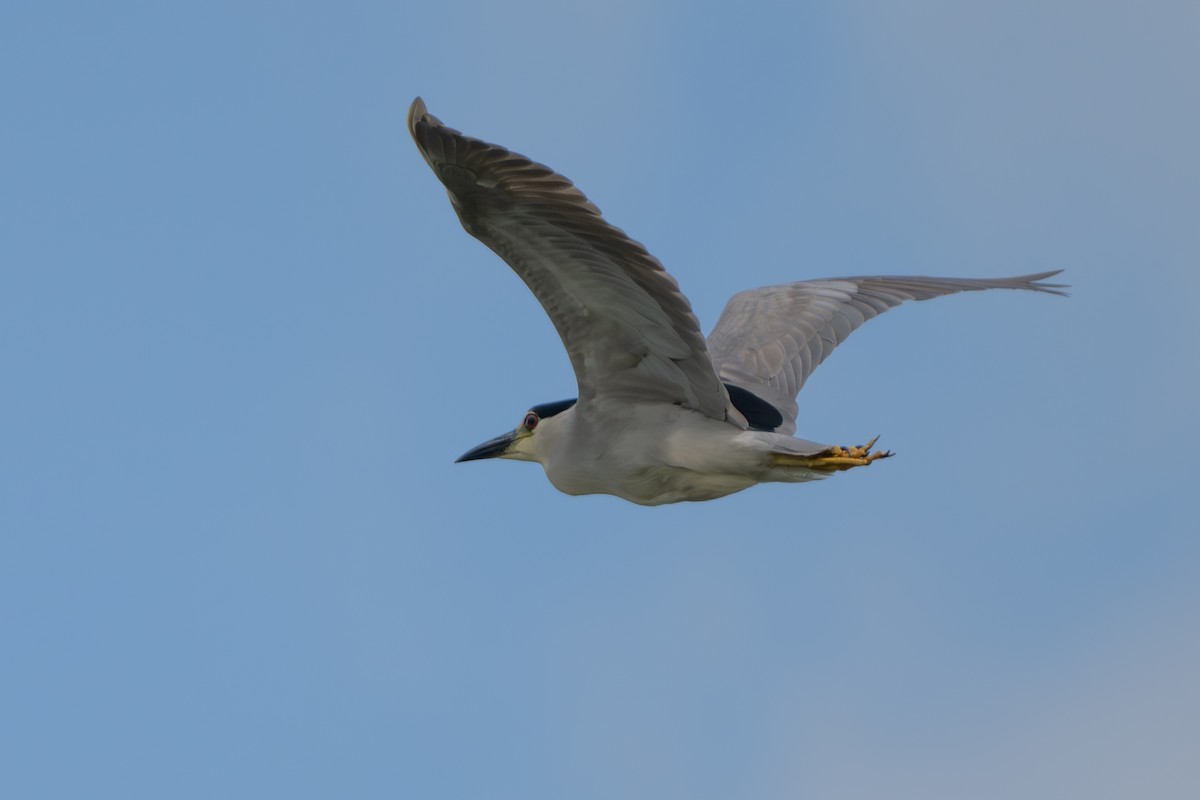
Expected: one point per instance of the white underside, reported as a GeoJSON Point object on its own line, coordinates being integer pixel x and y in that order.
{"type": "Point", "coordinates": [654, 454]}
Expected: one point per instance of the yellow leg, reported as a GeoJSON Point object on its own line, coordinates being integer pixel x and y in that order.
{"type": "Point", "coordinates": [833, 459]}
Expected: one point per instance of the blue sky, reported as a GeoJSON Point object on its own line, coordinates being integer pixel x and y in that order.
{"type": "Point", "coordinates": [244, 338]}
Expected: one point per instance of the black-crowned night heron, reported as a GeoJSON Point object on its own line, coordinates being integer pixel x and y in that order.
{"type": "Point", "coordinates": [662, 415]}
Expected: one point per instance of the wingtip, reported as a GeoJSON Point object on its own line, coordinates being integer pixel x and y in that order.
{"type": "Point", "coordinates": [415, 113]}
{"type": "Point", "coordinates": [1039, 282]}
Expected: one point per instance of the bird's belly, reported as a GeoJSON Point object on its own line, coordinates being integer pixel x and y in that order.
{"type": "Point", "coordinates": [652, 485]}
{"type": "Point", "coordinates": [653, 472]}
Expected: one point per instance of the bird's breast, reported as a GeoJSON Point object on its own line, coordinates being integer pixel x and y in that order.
{"type": "Point", "coordinates": [654, 456]}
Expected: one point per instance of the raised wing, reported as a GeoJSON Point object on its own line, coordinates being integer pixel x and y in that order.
{"type": "Point", "coordinates": [770, 340]}
{"type": "Point", "coordinates": [630, 333]}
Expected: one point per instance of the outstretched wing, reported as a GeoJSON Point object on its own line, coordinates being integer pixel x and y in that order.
{"type": "Point", "coordinates": [630, 333]}
{"type": "Point", "coordinates": [770, 340]}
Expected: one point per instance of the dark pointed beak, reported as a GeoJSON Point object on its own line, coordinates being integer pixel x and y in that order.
{"type": "Point", "coordinates": [492, 448]}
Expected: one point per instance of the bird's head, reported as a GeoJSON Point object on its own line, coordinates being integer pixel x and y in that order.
{"type": "Point", "coordinates": [521, 443]}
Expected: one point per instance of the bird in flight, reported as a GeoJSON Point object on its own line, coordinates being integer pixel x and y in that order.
{"type": "Point", "coordinates": [663, 415]}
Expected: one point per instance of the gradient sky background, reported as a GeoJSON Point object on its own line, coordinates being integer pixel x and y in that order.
{"type": "Point", "coordinates": [243, 338]}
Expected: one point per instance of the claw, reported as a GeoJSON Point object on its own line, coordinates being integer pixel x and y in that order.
{"type": "Point", "coordinates": [863, 451]}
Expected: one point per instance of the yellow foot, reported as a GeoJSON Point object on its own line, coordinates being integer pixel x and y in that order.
{"type": "Point", "coordinates": [834, 458]}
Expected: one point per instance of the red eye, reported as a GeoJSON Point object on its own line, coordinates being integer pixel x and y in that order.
{"type": "Point", "coordinates": [531, 421]}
